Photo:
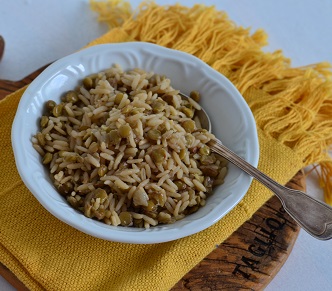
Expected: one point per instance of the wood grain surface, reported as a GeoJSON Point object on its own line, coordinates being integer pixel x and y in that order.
{"type": "Point", "coordinates": [252, 255]}
{"type": "Point", "coordinates": [247, 260]}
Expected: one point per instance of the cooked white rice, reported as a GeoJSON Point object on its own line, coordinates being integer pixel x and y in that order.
{"type": "Point", "coordinates": [123, 148]}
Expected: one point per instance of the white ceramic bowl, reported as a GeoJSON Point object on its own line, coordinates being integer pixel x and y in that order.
{"type": "Point", "coordinates": [232, 123]}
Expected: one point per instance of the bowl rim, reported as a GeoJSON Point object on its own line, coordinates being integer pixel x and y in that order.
{"type": "Point", "coordinates": [126, 236]}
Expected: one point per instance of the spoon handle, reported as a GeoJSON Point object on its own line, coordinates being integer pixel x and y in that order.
{"type": "Point", "coordinates": [312, 215]}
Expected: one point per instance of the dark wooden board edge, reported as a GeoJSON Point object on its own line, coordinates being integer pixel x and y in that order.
{"type": "Point", "coordinates": [12, 279]}
{"type": "Point", "coordinates": [248, 259]}
{"type": "Point", "coordinates": [7, 87]}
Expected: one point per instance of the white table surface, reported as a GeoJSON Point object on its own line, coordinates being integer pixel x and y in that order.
{"type": "Point", "coordinates": [38, 32]}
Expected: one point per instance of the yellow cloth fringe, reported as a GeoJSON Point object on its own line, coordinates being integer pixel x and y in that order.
{"type": "Point", "coordinates": [292, 108]}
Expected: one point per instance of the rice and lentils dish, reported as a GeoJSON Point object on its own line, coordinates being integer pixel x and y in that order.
{"type": "Point", "coordinates": [124, 148]}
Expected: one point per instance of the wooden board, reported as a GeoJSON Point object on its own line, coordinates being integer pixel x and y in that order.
{"type": "Point", "coordinates": [251, 256]}
{"type": "Point", "coordinates": [248, 259]}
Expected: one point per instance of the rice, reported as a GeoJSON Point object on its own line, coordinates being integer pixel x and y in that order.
{"type": "Point", "coordinates": [119, 150]}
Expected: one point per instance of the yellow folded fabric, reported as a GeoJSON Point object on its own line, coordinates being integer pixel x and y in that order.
{"type": "Point", "coordinates": [292, 108]}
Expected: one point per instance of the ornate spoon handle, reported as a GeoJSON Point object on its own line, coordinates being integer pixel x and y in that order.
{"type": "Point", "coordinates": [312, 215]}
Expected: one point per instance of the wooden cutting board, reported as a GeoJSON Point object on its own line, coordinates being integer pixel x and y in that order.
{"type": "Point", "coordinates": [248, 259]}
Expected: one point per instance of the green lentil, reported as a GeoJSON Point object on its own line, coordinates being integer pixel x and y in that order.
{"type": "Point", "coordinates": [188, 125]}
{"type": "Point", "coordinates": [43, 121]}
{"type": "Point", "coordinates": [47, 158]}
{"type": "Point", "coordinates": [114, 137]}
{"type": "Point", "coordinates": [204, 150]}
{"type": "Point", "coordinates": [88, 83]}
{"type": "Point", "coordinates": [72, 97]}
{"type": "Point", "coordinates": [182, 154]}
{"type": "Point", "coordinates": [181, 185]}
{"type": "Point", "coordinates": [70, 158]}
{"type": "Point", "coordinates": [124, 130]}
{"type": "Point", "coordinates": [157, 106]}
{"type": "Point", "coordinates": [50, 104]}
{"type": "Point", "coordinates": [102, 170]}
{"type": "Point", "coordinates": [126, 219]}
{"type": "Point", "coordinates": [41, 139]}
{"type": "Point", "coordinates": [57, 110]}
{"type": "Point", "coordinates": [159, 155]}
{"type": "Point", "coordinates": [154, 134]}
{"type": "Point", "coordinates": [195, 95]}
{"type": "Point", "coordinates": [101, 194]}
{"type": "Point", "coordinates": [187, 111]}
{"type": "Point", "coordinates": [151, 206]}
{"type": "Point", "coordinates": [207, 159]}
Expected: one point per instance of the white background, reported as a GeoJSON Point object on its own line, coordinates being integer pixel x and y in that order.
{"type": "Point", "coordinates": [38, 32]}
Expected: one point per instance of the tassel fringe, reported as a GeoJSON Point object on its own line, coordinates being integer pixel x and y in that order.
{"type": "Point", "coordinates": [296, 106]}
{"type": "Point", "coordinates": [325, 180]}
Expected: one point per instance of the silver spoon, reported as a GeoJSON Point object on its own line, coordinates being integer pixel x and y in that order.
{"type": "Point", "coordinates": [312, 215]}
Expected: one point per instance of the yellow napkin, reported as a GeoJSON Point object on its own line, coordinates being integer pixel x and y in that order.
{"type": "Point", "coordinates": [292, 108]}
